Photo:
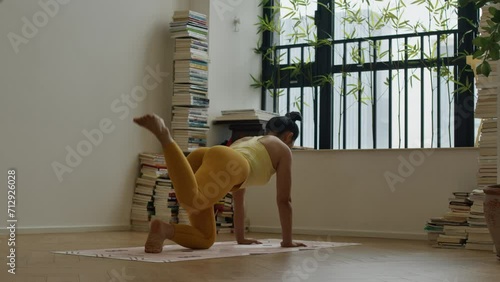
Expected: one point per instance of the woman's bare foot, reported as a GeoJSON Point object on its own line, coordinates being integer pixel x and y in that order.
{"type": "Point", "coordinates": [156, 125]}
{"type": "Point", "coordinates": [158, 232]}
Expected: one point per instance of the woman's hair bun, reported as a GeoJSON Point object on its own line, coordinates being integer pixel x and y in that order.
{"type": "Point", "coordinates": [294, 116]}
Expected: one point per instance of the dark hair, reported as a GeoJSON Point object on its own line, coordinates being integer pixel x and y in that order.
{"type": "Point", "coordinates": [280, 125]}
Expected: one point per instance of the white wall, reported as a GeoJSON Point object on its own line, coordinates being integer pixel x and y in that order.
{"type": "Point", "coordinates": [232, 59]}
{"type": "Point", "coordinates": [63, 80]}
{"type": "Point", "coordinates": [346, 192]}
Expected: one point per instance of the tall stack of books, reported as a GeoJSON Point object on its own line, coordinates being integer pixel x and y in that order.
{"type": "Point", "coordinates": [479, 235]}
{"type": "Point", "coordinates": [450, 230]}
{"type": "Point", "coordinates": [190, 101]}
{"type": "Point", "coordinates": [224, 214]}
{"type": "Point", "coordinates": [488, 89]}
{"type": "Point", "coordinates": [152, 166]}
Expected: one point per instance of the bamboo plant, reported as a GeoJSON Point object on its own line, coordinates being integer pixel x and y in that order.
{"type": "Point", "coordinates": [352, 14]}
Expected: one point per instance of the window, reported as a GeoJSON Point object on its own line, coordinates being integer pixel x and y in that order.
{"type": "Point", "coordinates": [378, 74]}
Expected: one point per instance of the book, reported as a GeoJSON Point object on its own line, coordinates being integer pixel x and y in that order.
{"type": "Point", "coordinates": [480, 246]}
{"type": "Point", "coordinates": [189, 14]}
{"type": "Point", "coordinates": [140, 225]}
{"type": "Point", "coordinates": [451, 239]}
{"type": "Point", "coordinates": [244, 114]}
{"type": "Point", "coordinates": [480, 238]}
{"type": "Point", "coordinates": [224, 214]}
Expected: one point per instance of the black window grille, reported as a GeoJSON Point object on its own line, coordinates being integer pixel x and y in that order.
{"type": "Point", "coordinates": [411, 90]}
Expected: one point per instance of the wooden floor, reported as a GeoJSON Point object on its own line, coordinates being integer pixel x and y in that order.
{"type": "Point", "coordinates": [375, 260]}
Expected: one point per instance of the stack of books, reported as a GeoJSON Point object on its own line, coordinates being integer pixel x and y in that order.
{"type": "Point", "coordinates": [152, 159]}
{"type": "Point", "coordinates": [163, 210]}
{"type": "Point", "coordinates": [152, 167]}
{"type": "Point", "coordinates": [486, 101]}
{"type": "Point", "coordinates": [190, 127]}
{"type": "Point", "coordinates": [189, 117]}
{"type": "Point", "coordinates": [479, 235]}
{"type": "Point", "coordinates": [487, 173]}
{"type": "Point", "coordinates": [173, 204]}
{"type": "Point", "coordinates": [154, 195]}
{"type": "Point", "coordinates": [450, 230]}
{"type": "Point", "coordinates": [189, 24]}
{"type": "Point", "coordinates": [190, 101]}
{"type": "Point", "coordinates": [488, 88]}
{"type": "Point", "coordinates": [142, 206]}
{"type": "Point", "coordinates": [244, 114]}
{"type": "Point", "coordinates": [182, 216]}
{"type": "Point", "coordinates": [224, 214]}
{"type": "Point", "coordinates": [434, 228]}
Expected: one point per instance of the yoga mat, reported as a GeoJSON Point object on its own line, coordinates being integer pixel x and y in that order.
{"type": "Point", "coordinates": [174, 253]}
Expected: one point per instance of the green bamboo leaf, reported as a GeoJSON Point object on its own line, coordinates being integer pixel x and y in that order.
{"type": "Point", "coordinates": [257, 83]}
{"type": "Point", "coordinates": [289, 14]}
{"type": "Point", "coordinates": [325, 7]}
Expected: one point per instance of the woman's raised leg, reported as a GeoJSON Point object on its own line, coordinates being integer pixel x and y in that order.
{"type": "Point", "coordinates": [221, 169]}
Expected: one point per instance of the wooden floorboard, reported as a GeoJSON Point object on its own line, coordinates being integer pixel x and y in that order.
{"type": "Point", "coordinates": [375, 260]}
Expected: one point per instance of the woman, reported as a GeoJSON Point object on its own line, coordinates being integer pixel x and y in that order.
{"type": "Point", "coordinates": [208, 174]}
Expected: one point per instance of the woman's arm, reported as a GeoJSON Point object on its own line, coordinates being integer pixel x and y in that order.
{"type": "Point", "coordinates": [283, 198]}
{"type": "Point", "coordinates": [239, 218]}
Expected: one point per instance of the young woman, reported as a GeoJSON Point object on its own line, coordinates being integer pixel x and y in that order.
{"type": "Point", "coordinates": [208, 174]}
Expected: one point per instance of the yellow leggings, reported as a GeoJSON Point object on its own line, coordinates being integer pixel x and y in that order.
{"type": "Point", "coordinates": [200, 181]}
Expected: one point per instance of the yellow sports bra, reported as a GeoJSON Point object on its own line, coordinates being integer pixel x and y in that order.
{"type": "Point", "coordinates": [261, 166]}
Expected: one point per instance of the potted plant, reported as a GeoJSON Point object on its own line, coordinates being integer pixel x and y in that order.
{"type": "Point", "coordinates": [487, 45]}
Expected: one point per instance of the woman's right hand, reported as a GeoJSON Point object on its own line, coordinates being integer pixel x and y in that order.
{"type": "Point", "coordinates": [248, 241]}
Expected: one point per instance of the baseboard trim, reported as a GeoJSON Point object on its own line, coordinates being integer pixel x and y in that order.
{"type": "Point", "coordinates": [345, 233]}
{"type": "Point", "coordinates": [67, 229]}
